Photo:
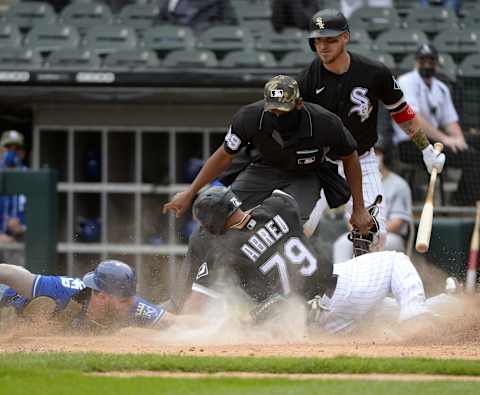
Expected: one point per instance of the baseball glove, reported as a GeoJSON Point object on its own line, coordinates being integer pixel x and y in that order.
{"type": "Point", "coordinates": [363, 244]}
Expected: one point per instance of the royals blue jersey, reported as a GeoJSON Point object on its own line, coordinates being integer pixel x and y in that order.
{"type": "Point", "coordinates": [63, 289]}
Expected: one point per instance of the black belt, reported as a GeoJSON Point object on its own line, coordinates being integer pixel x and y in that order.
{"type": "Point", "coordinates": [331, 285]}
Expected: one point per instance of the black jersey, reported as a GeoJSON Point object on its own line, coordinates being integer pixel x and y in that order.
{"type": "Point", "coordinates": [270, 255]}
{"type": "Point", "coordinates": [354, 95]}
{"type": "Point", "coordinates": [318, 132]}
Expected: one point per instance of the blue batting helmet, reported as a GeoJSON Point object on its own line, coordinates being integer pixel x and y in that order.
{"type": "Point", "coordinates": [213, 207]}
{"type": "Point", "coordinates": [112, 277]}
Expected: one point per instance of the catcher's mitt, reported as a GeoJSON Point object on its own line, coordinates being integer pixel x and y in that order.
{"type": "Point", "coordinates": [363, 244]}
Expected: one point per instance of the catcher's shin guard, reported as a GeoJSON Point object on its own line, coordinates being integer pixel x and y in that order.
{"type": "Point", "coordinates": [363, 244]}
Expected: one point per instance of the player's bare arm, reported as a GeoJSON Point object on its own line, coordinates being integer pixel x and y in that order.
{"type": "Point", "coordinates": [219, 161]}
{"type": "Point", "coordinates": [360, 218]}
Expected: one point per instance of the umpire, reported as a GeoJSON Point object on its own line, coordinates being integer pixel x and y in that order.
{"type": "Point", "coordinates": [293, 138]}
{"type": "Point", "coordinates": [350, 86]}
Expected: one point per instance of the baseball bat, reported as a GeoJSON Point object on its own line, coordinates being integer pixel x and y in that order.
{"type": "Point", "coordinates": [426, 219]}
{"type": "Point", "coordinates": [471, 281]}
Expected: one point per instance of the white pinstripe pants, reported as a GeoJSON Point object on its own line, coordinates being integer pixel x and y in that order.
{"type": "Point", "coordinates": [364, 282]}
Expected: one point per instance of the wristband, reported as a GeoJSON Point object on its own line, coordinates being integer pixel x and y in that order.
{"type": "Point", "coordinates": [406, 114]}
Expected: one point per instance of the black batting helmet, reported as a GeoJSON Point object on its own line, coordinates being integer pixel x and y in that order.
{"type": "Point", "coordinates": [213, 207]}
{"type": "Point", "coordinates": [327, 23]}
{"type": "Point", "coordinates": [426, 51]}
{"type": "Point", "coordinates": [112, 277]}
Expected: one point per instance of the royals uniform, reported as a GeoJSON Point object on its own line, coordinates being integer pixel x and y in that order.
{"type": "Point", "coordinates": [354, 96]}
{"type": "Point", "coordinates": [65, 289]}
{"type": "Point", "coordinates": [271, 256]}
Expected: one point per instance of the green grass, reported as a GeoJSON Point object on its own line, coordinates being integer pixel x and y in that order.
{"type": "Point", "coordinates": [57, 373]}
{"type": "Point", "coordinates": [76, 384]}
{"type": "Point", "coordinates": [95, 362]}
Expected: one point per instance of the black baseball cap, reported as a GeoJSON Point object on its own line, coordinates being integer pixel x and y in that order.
{"type": "Point", "coordinates": [426, 51]}
{"type": "Point", "coordinates": [328, 23]}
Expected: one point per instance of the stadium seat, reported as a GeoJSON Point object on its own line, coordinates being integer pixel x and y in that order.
{"type": "Point", "coordinates": [225, 38]}
{"type": "Point", "coordinates": [168, 38]}
{"type": "Point", "coordinates": [140, 16]}
{"type": "Point", "coordinates": [280, 43]}
{"type": "Point", "coordinates": [399, 42]}
{"type": "Point", "coordinates": [404, 7]}
{"type": "Point", "coordinates": [470, 67]}
{"type": "Point", "coordinates": [446, 65]}
{"type": "Point", "coordinates": [9, 35]}
{"type": "Point", "coordinates": [84, 15]}
{"type": "Point", "coordinates": [250, 10]}
{"type": "Point", "coordinates": [249, 58]}
{"type": "Point", "coordinates": [19, 58]}
{"type": "Point", "coordinates": [431, 20]}
{"type": "Point", "coordinates": [472, 19]}
{"type": "Point", "coordinates": [191, 58]}
{"type": "Point", "coordinates": [360, 37]}
{"type": "Point", "coordinates": [50, 37]}
{"type": "Point", "coordinates": [110, 38]}
{"type": "Point", "coordinates": [132, 59]}
{"type": "Point", "coordinates": [257, 27]}
{"type": "Point", "coordinates": [458, 43]}
{"type": "Point", "coordinates": [374, 19]}
{"type": "Point", "coordinates": [297, 59]}
{"type": "Point", "coordinates": [75, 59]}
{"type": "Point", "coordinates": [384, 58]}
{"type": "Point", "coordinates": [25, 14]}
{"type": "Point", "coordinates": [360, 48]}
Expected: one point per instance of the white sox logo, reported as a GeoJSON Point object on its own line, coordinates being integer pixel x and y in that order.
{"type": "Point", "coordinates": [362, 106]}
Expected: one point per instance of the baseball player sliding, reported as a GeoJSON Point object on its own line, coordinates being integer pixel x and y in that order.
{"type": "Point", "coordinates": [103, 299]}
{"type": "Point", "coordinates": [272, 259]}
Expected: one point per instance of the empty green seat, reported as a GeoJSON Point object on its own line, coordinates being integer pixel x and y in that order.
{"type": "Point", "coordinates": [360, 48]}
{"type": "Point", "coordinates": [297, 59]}
{"type": "Point", "coordinates": [250, 58]}
{"type": "Point", "coordinates": [431, 20]}
{"type": "Point", "coordinates": [9, 35]}
{"type": "Point", "coordinates": [140, 16]}
{"type": "Point", "coordinates": [132, 59]}
{"type": "Point", "coordinates": [374, 19]}
{"type": "Point", "coordinates": [458, 43]}
{"type": "Point", "coordinates": [384, 58]}
{"type": "Point", "coordinates": [50, 37]}
{"type": "Point", "coordinates": [225, 38]}
{"type": "Point", "coordinates": [248, 10]}
{"type": "Point", "coordinates": [26, 14]}
{"type": "Point", "coordinates": [360, 37]}
{"type": "Point", "coordinates": [15, 58]}
{"type": "Point", "coordinates": [74, 59]}
{"type": "Point", "coordinates": [167, 38]}
{"type": "Point", "coordinates": [110, 38]}
{"type": "Point", "coordinates": [287, 40]}
{"type": "Point", "coordinates": [471, 20]}
{"type": "Point", "coordinates": [470, 67]}
{"type": "Point", "coordinates": [191, 58]}
{"type": "Point", "coordinates": [399, 42]}
{"type": "Point", "coordinates": [84, 15]}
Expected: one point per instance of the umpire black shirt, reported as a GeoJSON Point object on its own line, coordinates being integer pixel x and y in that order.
{"type": "Point", "coordinates": [354, 95]}
{"type": "Point", "coordinates": [318, 132]}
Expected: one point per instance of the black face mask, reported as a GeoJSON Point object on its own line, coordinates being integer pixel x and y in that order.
{"type": "Point", "coordinates": [286, 124]}
{"type": "Point", "coordinates": [426, 72]}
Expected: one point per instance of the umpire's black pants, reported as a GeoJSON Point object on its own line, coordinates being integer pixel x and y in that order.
{"type": "Point", "coordinates": [258, 181]}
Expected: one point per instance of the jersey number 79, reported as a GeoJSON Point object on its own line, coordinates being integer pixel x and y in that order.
{"type": "Point", "coordinates": [296, 253]}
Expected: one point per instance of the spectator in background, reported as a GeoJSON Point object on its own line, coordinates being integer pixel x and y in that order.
{"type": "Point", "coordinates": [12, 207]}
{"type": "Point", "coordinates": [456, 5]}
{"type": "Point", "coordinates": [197, 14]}
{"type": "Point", "coordinates": [431, 100]}
{"type": "Point", "coordinates": [348, 7]}
{"type": "Point", "coordinates": [398, 211]}
{"type": "Point", "coordinates": [292, 14]}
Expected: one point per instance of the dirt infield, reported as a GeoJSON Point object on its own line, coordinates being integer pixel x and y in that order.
{"type": "Point", "coordinates": [457, 336]}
